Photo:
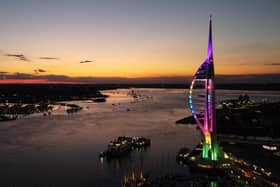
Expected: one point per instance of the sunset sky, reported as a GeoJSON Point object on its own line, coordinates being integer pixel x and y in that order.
{"type": "Point", "coordinates": [136, 38]}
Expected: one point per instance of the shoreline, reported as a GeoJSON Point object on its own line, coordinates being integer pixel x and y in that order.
{"type": "Point", "coordinates": [245, 120]}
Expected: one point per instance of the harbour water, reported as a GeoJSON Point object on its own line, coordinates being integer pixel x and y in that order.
{"type": "Point", "coordinates": [62, 149]}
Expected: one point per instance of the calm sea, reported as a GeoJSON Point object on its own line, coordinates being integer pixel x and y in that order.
{"type": "Point", "coordinates": [62, 149]}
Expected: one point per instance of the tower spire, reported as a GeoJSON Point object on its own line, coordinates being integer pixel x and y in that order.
{"type": "Point", "coordinates": [210, 46]}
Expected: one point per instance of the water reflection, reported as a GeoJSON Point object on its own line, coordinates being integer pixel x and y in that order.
{"type": "Point", "coordinates": [63, 149]}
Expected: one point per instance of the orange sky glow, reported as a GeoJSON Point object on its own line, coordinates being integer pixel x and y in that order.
{"type": "Point", "coordinates": [135, 39]}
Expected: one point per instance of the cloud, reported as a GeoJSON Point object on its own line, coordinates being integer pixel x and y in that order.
{"type": "Point", "coordinates": [49, 58]}
{"type": "Point", "coordinates": [87, 61]}
{"type": "Point", "coordinates": [272, 64]}
{"type": "Point", "coordinates": [33, 81]}
{"type": "Point", "coordinates": [39, 71]}
{"type": "Point", "coordinates": [233, 64]}
{"type": "Point", "coordinates": [19, 56]}
{"type": "Point", "coordinates": [3, 72]}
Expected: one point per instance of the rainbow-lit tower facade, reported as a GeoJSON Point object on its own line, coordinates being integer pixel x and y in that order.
{"type": "Point", "coordinates": [202, 102]}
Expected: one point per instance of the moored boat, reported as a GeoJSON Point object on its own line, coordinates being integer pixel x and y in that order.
{"type": "Point", "coordinates": [123, 145]}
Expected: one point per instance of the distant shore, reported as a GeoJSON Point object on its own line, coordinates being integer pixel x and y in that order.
{"type": "Point", "coordinates": [234, 86]}
{"type": "Point", "coordinates": [24, 100]}
{"type": "Point", "coordinates": [248, 121]}
{"type": "Point", "coordinates": [47, 93]}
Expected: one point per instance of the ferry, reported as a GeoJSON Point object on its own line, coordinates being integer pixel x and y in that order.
{"type": "Point", "coordinates": [124, 144]}
{"type": "Point", "coordinates": [116, 148]}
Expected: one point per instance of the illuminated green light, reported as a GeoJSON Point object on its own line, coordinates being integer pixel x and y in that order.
{"type": "Point", "coordinates": [205, 150]}
{"type": "Point", "coordinates": [214, 184]}
{"type": "Point", "coordinates": [214, 152]}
